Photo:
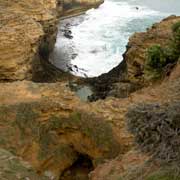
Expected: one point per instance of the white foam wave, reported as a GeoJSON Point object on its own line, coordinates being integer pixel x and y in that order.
{"type": "Point", "coordinates": [100, 39]}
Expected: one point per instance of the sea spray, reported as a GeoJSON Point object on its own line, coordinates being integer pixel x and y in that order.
{"type": "Point", "coordinates": [100, 36]}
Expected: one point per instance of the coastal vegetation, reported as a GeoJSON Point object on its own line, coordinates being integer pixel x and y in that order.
{"type": "Point", "coordinates": [159, 58]}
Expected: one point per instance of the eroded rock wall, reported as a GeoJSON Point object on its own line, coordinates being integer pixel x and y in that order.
{"type": "Point", "coordinates": [26, 27]}
{"type": "Point", "coordinates": [49, 127]}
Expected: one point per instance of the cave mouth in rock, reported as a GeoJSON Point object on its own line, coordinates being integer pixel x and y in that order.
{"type": "Point", "coordinates": [79, 170]}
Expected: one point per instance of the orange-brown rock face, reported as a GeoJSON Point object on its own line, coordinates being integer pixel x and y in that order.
{"type": "Point", "coordinates": [26, 26]}
{"type": "Point", "coordinates": [49, 127]}
{"type": "Point", "coordinates": [21, 34]}
{"type": "Point", "coordinates": [45, 124]}
{"type": "Point", "coordinates": [136, 54]}
{"type": "Point", "coordinates": [114, 169]}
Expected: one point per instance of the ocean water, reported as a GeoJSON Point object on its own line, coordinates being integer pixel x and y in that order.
{"type": "Point", "coordinates": [101, 35]}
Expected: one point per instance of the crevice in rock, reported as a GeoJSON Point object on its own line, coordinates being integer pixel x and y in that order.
{"type": "Point", "coordinates": [115, 83]}
{"type": "Point", "coordinates": [79, 170]}
{"type": "Point", "coordinates": [44, 70]}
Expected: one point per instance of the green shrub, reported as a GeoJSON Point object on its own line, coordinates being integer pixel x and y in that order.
{"type": "Point", "coordinates": [176, 27]}
{"type": "Point", "coordinates": [176, 39]}
{"type": "Point", "coordinates": [173, 50]}
{"type": "Point", "coordinates": [156, 57]}
{"type": "Point", "coordinates": [156, 60]}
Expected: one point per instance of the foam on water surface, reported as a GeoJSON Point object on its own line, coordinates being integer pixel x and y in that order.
{"type": "Point", "coordinates": [101, 35]}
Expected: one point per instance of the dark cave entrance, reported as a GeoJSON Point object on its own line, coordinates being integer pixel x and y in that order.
{"type": "Point", "coordinates": [79, 170]}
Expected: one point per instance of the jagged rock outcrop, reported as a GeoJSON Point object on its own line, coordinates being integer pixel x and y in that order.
{"type": "Point", "coordinates": [49, 127]}
{"type": "Point", "coordinates": [26, 27]}
{"type": "Point", "coordinates": [135, 165]}
{"type": "Point", "coordinates": [114, 169]}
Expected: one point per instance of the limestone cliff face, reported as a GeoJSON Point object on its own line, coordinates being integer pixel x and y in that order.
{"type": "Point", "coordinates": [24, 27]}
{"type": "Point", "coordinates": [49, 127]}
{"type": "Point", "coordinates": [154, 105]}
{"type": "Point", "coordinates": [19, 36]}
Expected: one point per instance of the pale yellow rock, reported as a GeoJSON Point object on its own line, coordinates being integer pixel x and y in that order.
{"type": "Point", "coordinates": [19, 37]}
{"type": "Point", "coordinates": [23, 25]}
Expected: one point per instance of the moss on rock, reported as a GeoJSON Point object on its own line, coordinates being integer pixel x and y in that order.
{"type": "Point", "coordinates": [97, 130]}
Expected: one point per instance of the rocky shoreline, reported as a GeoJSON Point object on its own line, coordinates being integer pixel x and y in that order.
{"type": "Point", "coordinates": [37, 30]}
{"type": "Point", "coordinates": [129, 75]}
{"type": "Point", "coordinates": [47, 132]}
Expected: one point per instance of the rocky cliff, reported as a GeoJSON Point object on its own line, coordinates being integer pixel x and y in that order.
{"type": "Point", "coordinates": [50, 128]}
{"type": "Point", "coordinates": [152, 110]}
{"type": "Point", "coordinates": [28, 27]}
{"type": "Point", "coordinates": [47, 132]}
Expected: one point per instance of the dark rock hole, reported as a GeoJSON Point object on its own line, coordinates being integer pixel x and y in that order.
{"type": "Point", "coordinates": [79, 170]}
